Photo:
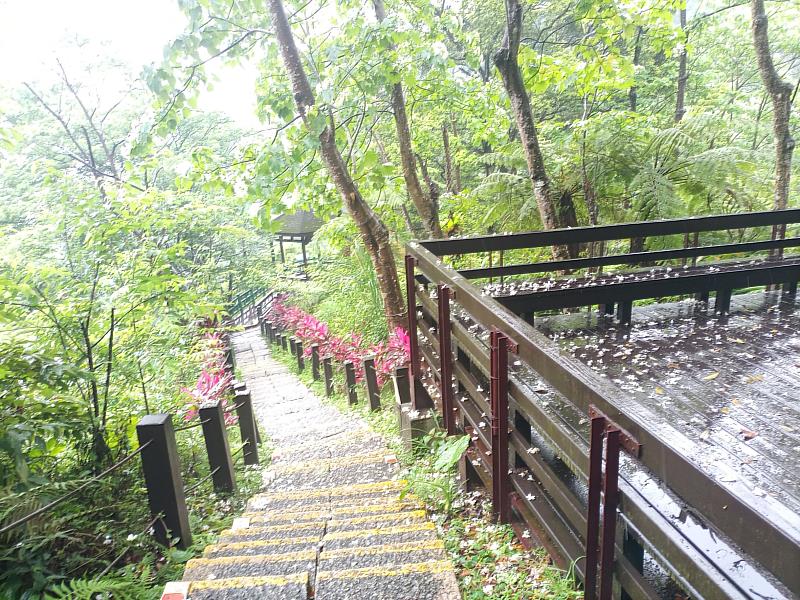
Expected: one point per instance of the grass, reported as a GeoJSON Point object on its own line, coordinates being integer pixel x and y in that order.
{"type": "Point", "coordinates": [490, 563]}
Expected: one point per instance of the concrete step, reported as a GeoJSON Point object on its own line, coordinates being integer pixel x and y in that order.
{"type": "Point", "coordinates": [380, 536]}
{"type": "Point", "coordinates": [289, 587]}
{"type": "Point", "coordinates": [272, 532]}
{"type": "Point", "coordinates": [238, 565]}
{"type": "Point", "coordinates": [344, 495]}
{"type": "Point", "coordinates": [429, 580]}
{"type": "Point", "coordinates": [409, 503]}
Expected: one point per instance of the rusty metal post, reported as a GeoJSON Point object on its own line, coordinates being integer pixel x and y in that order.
{"type": "Point", "coordinates": [598, 425]}
{"type": "Point", "coordinates": [162, 477]}
{"type": "Point", "coordinates": [501, 497]}
{"type": "Point", "coordinates": [446, 359]}
{"type": "Point", "coordinates": [327, 369]}
{"type": "Point", "coordinates": [411, 297]}
{"type": "Point", "coordinates": [247, 427]}
{"type": "Point", "coordinates": [301, 361]}
{"type": "Point", "coordinates": [610, 500]}
{"type": "Point", "coordinates": [315, 362]}
{"type": "Point", "coordinates": [371, 378]}
{"type": "Point", "coordinates": [219, 453]}
{"type": "Point", "coordinates": [350, 382]}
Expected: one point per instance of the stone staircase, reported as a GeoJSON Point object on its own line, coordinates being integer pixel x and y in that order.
{"type": "Point", "coordinates": [333, 521]}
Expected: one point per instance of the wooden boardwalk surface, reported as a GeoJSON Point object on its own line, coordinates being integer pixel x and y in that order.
{"type": "Point", "coordinates": [330, 523]}
{"type": "Point", "coordinates": [729, 385]}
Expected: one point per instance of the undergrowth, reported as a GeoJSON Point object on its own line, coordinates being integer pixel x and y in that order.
{"type": "Point", "coordinates": [96, 546]}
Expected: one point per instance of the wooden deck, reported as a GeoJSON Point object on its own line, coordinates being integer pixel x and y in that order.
{"type": "Point", "coordinates": [728, 386]}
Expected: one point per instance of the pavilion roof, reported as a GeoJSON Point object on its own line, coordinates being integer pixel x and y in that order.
{"type": "Point", "coordinates": [298, 223]}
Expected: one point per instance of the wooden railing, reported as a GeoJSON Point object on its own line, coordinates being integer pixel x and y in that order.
{"type": "Point", "coordinates": [542, 423]}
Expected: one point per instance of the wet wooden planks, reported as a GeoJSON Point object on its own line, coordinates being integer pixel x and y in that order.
{"type": "Point", "coordinates": [730, 384]}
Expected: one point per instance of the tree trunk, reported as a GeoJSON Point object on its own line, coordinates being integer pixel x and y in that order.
{"type": "Point", "coordinates": [374, 234]}
{"type": "Point", "coordinates": [554, 214]}
{"type": "Point", "coordinates": [449, 177]}
{"type": "Point", "coordinates": [781, 95]}
{"type": "Point", "coordinates": [683, 77]}
{"type": "Point", "coordinates": [633, 95]}
{"type": "Point", "coordinates": [426, 206]}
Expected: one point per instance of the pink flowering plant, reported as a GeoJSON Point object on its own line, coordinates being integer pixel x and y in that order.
{"type": "Point", "coordinates": [388, 354]}
{"type": "Point", "coordinates": [214, 380]}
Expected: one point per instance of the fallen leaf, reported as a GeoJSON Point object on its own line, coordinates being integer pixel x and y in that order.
{"type": "Point", "coordinates": [724, 410]}
{"type": "Point", "coordinates": [659, 390]}
{"type": "Point", "coordinates": [712, 376]}
{"type": "Point", "coordinates": [739, 341]}
{"type": "Point", "coordinates": [754, 378]}
{"type": "Point", "coordinates": [748, 434]}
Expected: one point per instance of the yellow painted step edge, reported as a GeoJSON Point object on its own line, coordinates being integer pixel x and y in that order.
{"type": "Point", "coordinates": [244, 582]}
{"type": "Point", "coordinates": [252, 558]}
{"type": "Point", "coordinates": [342, 535]}
{"type": "Point", "coordinates": [259, 544]}
{"type": "Point", "coordinates": [435, 544]}
{"type": "Point", "coordinates": [303, 555]}
{"type": "Point", "coordinates": [273, 528]}
{"type": "Point", "coordinates": [374, 517]}
{"type": "Point", "coordinates": [434, 566]}
{"type": "Point", "coordinates": [345, 535]}
{"type": "Point", "coordinates": [343, 490]}
{"type": "Point", "coordinates": [329, 463]}
{"type": "Point", "coordinates": [409, 502]}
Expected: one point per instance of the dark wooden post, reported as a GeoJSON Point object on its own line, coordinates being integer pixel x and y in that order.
{"type": "Point", "coordinates": [371, 377]}
{"type": "Point", "coordinates": [258, 318]}
{"type": "Point", "coordinates": [219, 453]}
{"type": "Point", "coordinates": [162, 476]}
{"type": "Point", "coordinates": [293, 345]}
{"type": "Point", "coordinates": [247, 427]}
{"type": "Point", "coordinates": [230, 359]}
{"type": "Point", "coordinates": [625, 311]}
{"type": "Point", "coordinates": [315, 362]}
{"type": "Point", "coordinates": [268, 329]}
{"type": "Point", "coordinates": [350, 381]}
{"type": "Point", "coordinates": [284, 343]}
{"type": "Point", "coordinates": [722, 304]}
{"type": "Point", "coordinates": [301, 361]}
{"type": "Point", "coordinates": [402, 385]}
{"type": "Point", "coordinates": [446, 360]}
{"type": "Point", "coordinates": [501, 499]}
{"type": "Point", "coordinates": [327, 368]}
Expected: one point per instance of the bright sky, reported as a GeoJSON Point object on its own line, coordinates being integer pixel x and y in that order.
{"type": "Point", "coordinates": [34, 32]}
